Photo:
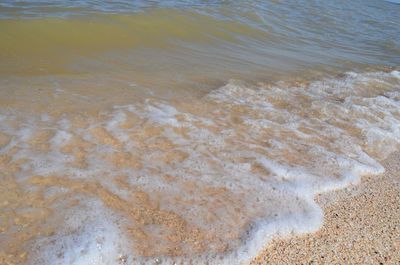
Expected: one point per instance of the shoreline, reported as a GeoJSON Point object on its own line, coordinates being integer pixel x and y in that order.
{"type": "Point", "coordinates": [361, 226]}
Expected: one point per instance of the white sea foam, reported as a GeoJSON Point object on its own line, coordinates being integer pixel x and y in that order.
{"type": "Point", "coordinates": [90, 237]}
{"type": "Point", "coordinates": [213, 179]}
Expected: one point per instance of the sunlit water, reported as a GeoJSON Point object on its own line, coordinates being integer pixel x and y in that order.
{"type": "Point", "coordinates": [190, 132]}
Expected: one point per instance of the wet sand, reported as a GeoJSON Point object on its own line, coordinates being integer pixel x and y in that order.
{"type": "Point", "coordinates": [361, 226]}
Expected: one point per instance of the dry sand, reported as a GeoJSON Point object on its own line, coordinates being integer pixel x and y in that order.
{"type": "Point", "coordinates": [362, 226]}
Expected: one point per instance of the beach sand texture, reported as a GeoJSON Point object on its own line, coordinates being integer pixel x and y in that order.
{"type": "Point", "coordinates": [362, 227]}
{"type": "Point", "coordinates": [199, 132]}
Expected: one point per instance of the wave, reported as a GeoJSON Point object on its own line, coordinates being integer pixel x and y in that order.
{"type": "Point", "coordinates": [190, 181]}
{"type": "Point", "coordinates": [32, 44]}
{"type": "Point", "coordinates": [237, 38]}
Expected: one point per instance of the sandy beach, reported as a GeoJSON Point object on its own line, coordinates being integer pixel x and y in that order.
{"type": "Point", "coordinates": [361, 226]}
{"type": "Point", "coordinates": [199, 132]}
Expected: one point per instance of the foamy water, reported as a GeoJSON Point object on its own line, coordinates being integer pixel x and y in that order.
{"type": "Point", "coordinates": [186, 132]}
{"type": "Point", "coordinates": [210, 179]}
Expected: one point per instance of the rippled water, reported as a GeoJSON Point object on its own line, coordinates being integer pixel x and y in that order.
{"type": "Point", "coordinates": [165, 43]}
{"type": "Point", "coordinates": [191, 132]}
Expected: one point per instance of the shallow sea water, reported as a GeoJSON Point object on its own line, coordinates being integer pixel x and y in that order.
{"type": "Point", "coordinates": [190, 132]}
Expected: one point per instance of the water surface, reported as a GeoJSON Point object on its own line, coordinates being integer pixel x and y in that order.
{"type": "Point", "coordinates": [162, 132]}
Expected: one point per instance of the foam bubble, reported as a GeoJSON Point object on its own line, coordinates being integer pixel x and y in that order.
{"type": "Point", "coordinates": [60, 139]}
{"type": "Point", "coordinates": [396, 74]}
{"type": "Point", "coordinates": [85, 238]}
{"type": "Point", "coordinates": [211, 180]}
